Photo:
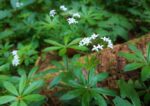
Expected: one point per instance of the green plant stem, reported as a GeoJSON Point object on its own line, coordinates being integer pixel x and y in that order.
{"type": "Point", "coordinates": [67, 64]}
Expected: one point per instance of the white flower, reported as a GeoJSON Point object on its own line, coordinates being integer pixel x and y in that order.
{"type": "Point", "coordinates": [100, 46]}
{"type": "Point", "coordinates": [72, 21]}
{"type": "Point", "coordinates": [14, 52]}
{"type": "Point", "coordinates": [94, 36]}
{"type": "Point", "coordinates": [18, 4]}
{"type": "Point", "coordinates": [85, 41]}
{"type": "Point", "coordinates": [63, 8]}
{"type": "Point", "coordinates": [110, 45]}
{"type": "Point", "coordinates": [15, 61]}
{"type": "Point", "coordinates": [76, 15]}
{"type": "Point", "coordinates": [105, 39]}
{"type": "Point", "coordinates": [52, 13]}
{"type": "Point", "coordinates": [97, 48]}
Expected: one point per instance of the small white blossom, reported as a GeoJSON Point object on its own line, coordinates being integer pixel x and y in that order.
{"type": "Point", "coordinates": [76, 15]}
{"type": "Point", "coordinates": [105, 39]}
{"type": "Point", "coordinates": [63, 8]}
{"type": "Point", "coordinates": [110, 44]}
{"type": "Point", "coordinates": [19, 4]}
{"type": "Point", "coordinates": [85, 41]}
{"type": "Point", "coordinates": [72, 21]}
{"type": "Point", "coordinates": [52, 13]}
{"type": "Point", "coordinates": [100, 46]}
{"type": "Point", "coordinates": [97, 48]}
{"type": "Point", "coordinates": [15, 61]}
{"type": "Point", "coordinates": [94, 36]}
{"type": "Point", "coordinates": [14, 52]}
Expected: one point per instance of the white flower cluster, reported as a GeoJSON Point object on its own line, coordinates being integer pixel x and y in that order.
{"type": "Point", "coordinates": [19, 4]}
{"type": "Point", "coordinates": [15, 61]}
{"type": "Point", "coordinates": [52, 13]}
{"type": "Point", "coordinates": [97, 48]}
{"type": "Point", "coordinates": [77, 15]}
{"type": "Point", "coordinates": [63, 8]}
{"type": "Point", "coordinates": [85, 41]}
{"type": "Point", "coordinates": [70, 20]}
{"type": "Point", "coordinates": [110, 44]}
{"type": "Point", "coordinates": [88, 40]}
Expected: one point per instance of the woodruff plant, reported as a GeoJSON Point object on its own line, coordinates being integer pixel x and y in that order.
{"type": "Point", "coordinates": [129, 96]}
{"type": "Point", "coordinates": [84, 87]}
{"type": "Point", "coordinates": [63, 47]}
{"type": "Point", "coordinates": [138, 60]}
{"type": "Point", "coordinates": [23, 93]}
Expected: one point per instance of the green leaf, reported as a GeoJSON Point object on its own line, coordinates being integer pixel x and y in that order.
{"type": "Point", "coordinates": [32, 72]}
{"type": "Point", "coordinates": [22, 103]}
{"type": "Point", "coordinates": [7, 98]}
{"type": "Point", "coordinates": [32, 87]}
{"type": "Point", "coordinates": [137, 51]}
{"type": "Point", "coordinates": [62, 51]}
{"type": "Point", "coordinates": [129, 56]}
{"type": "Point", "coordinates": [104, 91]}
{"type": "Point", "coordinates": [11, 88]}
{"type": "Point", "coordinates": [121, 102]}
{"type": "Point", "coordinates": [99, 99]}
{"type": "Point", "coordinates": [4, 77]}
{"type": "Point", "coordinates": [127, 90]}
{"type": "Point", "coordinates": [71, 94]}
{"type": "Point", "coordinates": [145, 73]}
{"type": "Point", "coordinates": [22, 83]}
{"type": "Point", "coordinates": [74, 84]}
{"type": "Point", "coordinates": [54, 43]}
{"type": "Point", "coordinates": [133, 66]}
{"type": "Point", "coordinates": [4, 14]}
{"type": "Point", "coordinates": [5, 34]}
{"type": "Point", "coordinates": [53, 48]}
{"type": "Point", "coordinates": [56, 80]}
{"type": "Point", "coordinates": [148, 52]}
{"type": "Point", "coordinates": [66, 39]}
{"type": "Point", "coordinates": [91, 76]}
{"type": "Point", "coordinates": [79, 74]}
{"type": "Point", "coordinates": [33, 97]}
{"type": "Point", "coordinates": [102, 76]}
{"type": "Point", "coordinates": [14, 103]}
{"type": "Point", "coordinates": [75, 41]}
{"type": "Point", "coordinates": [86, 99]}
{"type": "Point", "coordinates": [81, 48]}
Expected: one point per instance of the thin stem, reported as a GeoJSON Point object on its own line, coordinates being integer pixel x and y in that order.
{"type": "Point", "coordinates": [67, 63]}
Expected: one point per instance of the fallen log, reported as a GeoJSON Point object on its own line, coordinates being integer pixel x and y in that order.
{"type": "Point", "coordinates": [109, 61]}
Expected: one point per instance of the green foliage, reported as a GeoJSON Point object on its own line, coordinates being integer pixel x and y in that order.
{"type": "Point", "coordinates": [27, 53]}
{"type": "Point", "coordinates": [5, 57]}
{"type": "Point", "coordinates": [65, 46]}
{"type": "Point", "coordinates": [26, 26]}
{"type": "Point", "coordinates": [23, 93]}
{"type": "Point", "coordinates": [103, 17]}
{"type": "Point", "coordinates": [64, 68]}
{"type": "Point", "coordinates": [127, 91]}
{"type": "Point", "coordinates": [138, 60]}
{"type": "Point", "coordinates": [85, 89]}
